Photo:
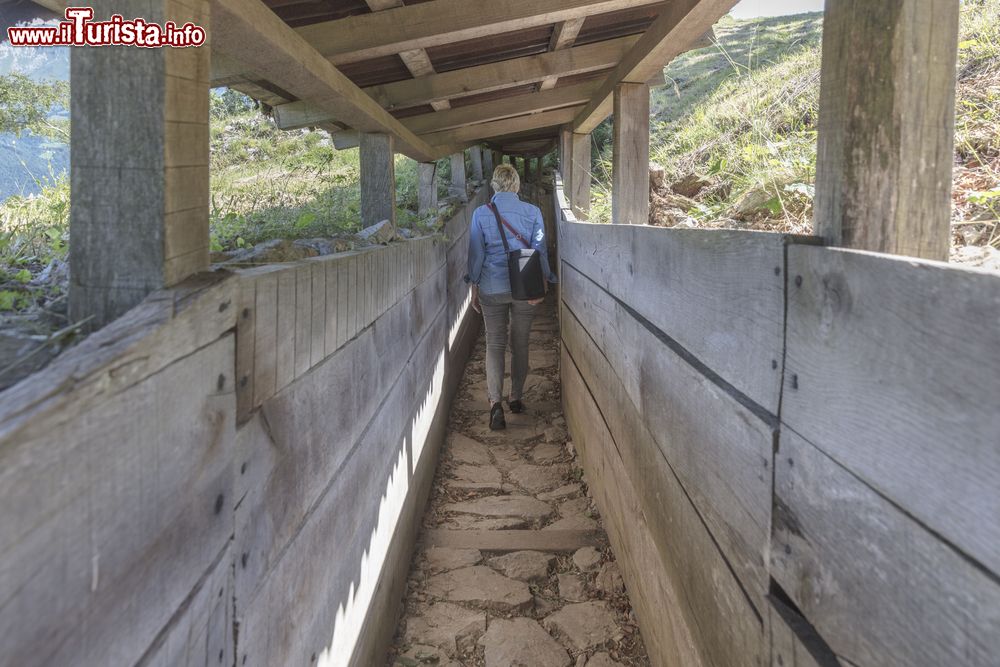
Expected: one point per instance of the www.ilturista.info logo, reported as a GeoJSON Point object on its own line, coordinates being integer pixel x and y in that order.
{"type": "Point", "coordinates": [79, 30]}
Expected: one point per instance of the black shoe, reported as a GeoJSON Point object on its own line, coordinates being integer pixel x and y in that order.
{"type": "Point", "coordinates": [497, 421]}
{"type": "Point", "coordinates": [517, 406]}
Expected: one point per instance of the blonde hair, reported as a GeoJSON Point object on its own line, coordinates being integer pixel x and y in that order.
{"type": "Point", "coordinates": [505, 179]}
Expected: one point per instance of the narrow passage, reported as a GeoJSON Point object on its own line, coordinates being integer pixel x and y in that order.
{"type": "Point", "coordinates": [512, 567]}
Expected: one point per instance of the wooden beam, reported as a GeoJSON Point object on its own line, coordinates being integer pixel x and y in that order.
{"type": "Point", "coordinates": [248, 31]}
{"type": "Point", "coordinates": [681, 24]}
{"type": "Point", "coordinates": [579, 187]}
{"type": "Point", "coordinates": [506, 74]}
{"type": "Point", "coordinates": [563, 37]}
{"type": "Point", "coordinates": [630, 155]}
{"type": "Point", "coordinates": [504, 108]}
{"type": "Point", "coordinates": [500, 127]}
{"type": "Point", "coordinates": [424, 25]}
{"type": "Point", "coordinates": [378, 179]}
{"type": "Point", "coordinates": [887, 126]}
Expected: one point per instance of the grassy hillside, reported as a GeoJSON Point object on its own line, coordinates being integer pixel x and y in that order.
{"type": "Point", "coordinates": [735, 130]}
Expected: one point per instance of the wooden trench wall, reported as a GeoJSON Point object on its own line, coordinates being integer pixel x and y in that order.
{"type": "Point", "coordinates": [795, 448]}
{"type": "Point", "coordinates": [233, 473]}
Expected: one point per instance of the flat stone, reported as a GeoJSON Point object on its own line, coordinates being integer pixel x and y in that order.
{"type": "Point", "coordinates": [546, 452]}
{"type": "Point", "coordinates": [464, 449]}
{"type": "Point", "coordinates": [530, 566]}
{"type": "Point", "coordinates": [582, 626]}
{"type": "Point", "coordinates": [578, 506]}
{"type": "Point", "coordinates": [420, 655]}
{"type": "Point", "coordinates": [471, 522]}
{"type": "Point", "coordinates": [507, 457]}
{"type": "Point", "coordinates": [565, 491]}
{"type": "Point", "coordinates": [521, 642]}
{"type": "Point", "coordinates": [481, 477]}
{"type": "Point", "coordinates": [572, 588]}
{"type": "Point", "coordinates": [575, 522]}
{"type": "Point", "coordinates": [502, 506]}
{"type": "Point", "coordinates": [442, 559]}
{"type": "Point", "coordinates": [602, 659]}
{"type": "Point", "coordinates": [446, 626]}
{"type": "Point", "coordinates": [555, 434]}
{"type": "Point", "coordinates": [587, 559]}
{"type": "Point", "coordinates": [480, 585]}
{"type": "Point", "coordinates": [609, 580]}
{"type": "Point", "coordinates": [544, 606]}
{"type": "Point", "coordinates": [538, 478]}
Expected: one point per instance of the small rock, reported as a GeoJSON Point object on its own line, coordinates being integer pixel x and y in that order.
{"type": "Point", "coordinates": [538, 478]}
{"type": "Point", "coordinates": [571, 449]}
{"type": "Point", "coordinates": [609, 580]}
{"type": "Point", "coordinates": [544, 606]}
{"type": "Point", "coordinates": [602, 659]}
{"type": "Point", "coordinates": [269, 252]}
{"type": "Point", "coordinates": [530, 566]}
{"type": "Point", "coordinates": [424, 655]}
{"type": "Point", "coordinates": [521, 642]}
{"type": "Point", "coordinates": [446, 626]}
{"type": "Point", "coordinates": [564, 491]}
{"type": "Point", "coordinates": [442, 559]}
{"type": "Point", "coordinates": [480, 585]}
{"type": "Point", "coordinates": [320, 245]}
{"type": "Point", "coordinates": [690, 185]}
{"type": "Point", "coordinates": [657, 176]}
{"type": "Point", "coordinates": [582, 626]}
{"type": "Point", "coordinates": [380, 233]}
{"type": "Point", "coordinates": [577, 506]}
{"type": "Point", "coordinates": [587, 559]}
{"type": "Point", "coordinates": [503, 506]}
{"type": "Point", "coordinates": [546, 452]}
{"type": "Point", "coordinates": [581, 660]}
{"type": "Point", "coordinates": [572, 588]}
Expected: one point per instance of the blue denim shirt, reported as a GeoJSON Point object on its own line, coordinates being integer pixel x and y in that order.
{"type": "Point", "coordinates": [487, 259]}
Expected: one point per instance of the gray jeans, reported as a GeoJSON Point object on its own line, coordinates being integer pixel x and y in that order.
{"type": "Point", "coordinates": [498, 309]}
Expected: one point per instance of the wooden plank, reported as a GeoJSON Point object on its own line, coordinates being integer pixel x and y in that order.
{"type": "Point", "coordinates": [265, 338]}
{"type": "Point", "coordinates": [564, 541]}
{"type": "Point", "coordinates": [679, 26]}
{"type": "Point", "coordinates": [498, 128]}
{"type": "Point", "coordinates": [285, 361]}
{"type": "Point", "coordinates": [246, 305]}
{"type": "Point", "coordinates": [354, 300]}
{"type": "Point", "coordinates": [715, 623]}
{"type": "Point", "coordinates": [794, 643]}
{"type": "Point", "coordinates": [317, 343]}
{"type": "Point", "coordinates": [719, 450]}
{"type": "Point", "coordinates": [890, 358]}
{"type": "Point", "coordinates": [389, 32]}
{"type": "Point", "coordinates": [718, 294]}
{"type": "Point", "coordinates": [303, 319]}
{"type": "Point", "coordinates": [944, 608]}
{"type": "Point", "coordinates": [332, 293]}
{"type": "Point", "coordinates": [887, 128]}
{"type": "Point", "coordinates": [249, 31]}
{"type": "Point", "coordinates": [100, 549]}
{"type": "Point", "coordinates": [497, 76]}
{"type": "Point", "coordinates": [378, 179]}
{"type": "Point", "coordinates": [630, 161]}
{"type": "Point", "coordinates": [343, 301]}
{"type": "Point", "coordinates": [580, 173]}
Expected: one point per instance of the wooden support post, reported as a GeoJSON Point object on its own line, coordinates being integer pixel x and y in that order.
{"type": "Point", "coordinates": [527, 169]}
{"type": "Point", "coordinates": [488, 162]}
{"type": "Point", "coordinates": [476, 160]}
{"type": "Point", "coordinates": [579, 185]}
{"type": "Point", "coordinates": [378, 179]}
{"type": "Point", "coordinates": [427, 189]}
{"type": "Point", "coordinates": [630, 155]}
{"type": "Point", "coordinates": [565, 150]}
{"type": "Point", "coordinates": [457, 188]}
{"type": "Point", "coordinates": [886, 133]}
{"type": "Point", "coordinates": [139, 166]}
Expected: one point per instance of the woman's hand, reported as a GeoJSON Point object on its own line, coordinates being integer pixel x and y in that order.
{"type": "Point", "coordinates": [475, 299]}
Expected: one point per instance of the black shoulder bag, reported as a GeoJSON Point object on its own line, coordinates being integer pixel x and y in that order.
{"type": "Point", "coordinates": [524, 266]}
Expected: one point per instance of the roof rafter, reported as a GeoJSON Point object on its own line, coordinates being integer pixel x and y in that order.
{"type": "Point", "coordinates": [498, 128]}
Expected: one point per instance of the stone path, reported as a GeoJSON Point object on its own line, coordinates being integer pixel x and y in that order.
{"type": "Point", "coordinates": [477, 595]}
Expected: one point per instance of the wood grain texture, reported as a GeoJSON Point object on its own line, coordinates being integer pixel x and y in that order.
{"type": "Point", "coordinates": [887, 126]}
{"type": "Point", "coordinates": [794, 643]}
{"type": "Point", "coordinates": [378, 179]}
{"type": "Point", "coordinates": [457, 188]}
{"type": "Point", "coordinates": [285, 360]}
{"type": "Point", "coordinates": [579, 186]}
{"type": "Point", "coordinates": [719, 294]}
{"type": "Point", "coordinates": [246, 305]}
{"type": "Point", "coordinates": [878, 586]}
{"type": "Point", "coordinates": [303, 319]}
{"type": "Point", "coordinates": [124, 504]}
{"type": "Point", "coordinates": [630, 155]}
{"type": "Point", "coordinates": [896, 361]}
{"type": "Point", "coordinates": [332, 318]}
{"type": "Point", "coordinates": [317, 342]}
{"type": "Point", "coordinates": [427, 192]}
{"type": "Point", "coordinates": [265, 337]}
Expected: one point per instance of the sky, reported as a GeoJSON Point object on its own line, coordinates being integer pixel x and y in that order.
{"type": "Point", "coordinates": [751, 8]}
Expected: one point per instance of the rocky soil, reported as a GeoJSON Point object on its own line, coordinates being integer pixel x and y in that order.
{"type": "Point", "coordinates": [468, 607]}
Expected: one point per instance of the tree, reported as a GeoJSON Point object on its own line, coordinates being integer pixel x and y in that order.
{"type": "Point", "coordinates": [27, 105]}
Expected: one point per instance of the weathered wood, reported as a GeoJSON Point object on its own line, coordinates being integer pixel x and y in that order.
{"type": "Point", "coordinates": [265, 348]}
{"type": "Point", "coordinates": [890, 358]}
{"type": "Point", "coordinates": [579, 186]}
{"type": "Point", "coordinates": [332, 296]}
{"type": "Point", "coordinates": [378, 179]}
{"type": "Point", "coordinates": [285, 356]}
{"type": "Point", "coordinates": [497, 128]}
{"type": "Point", "coordinates": [317, 337]}
{"type": "Point", "coordinates": [140, 210]}
{"type": "Point", "coordinates": [715, 616]}
{"type": "Point", "coordinates": [246, 305]}
{"type": "Point", "coordinates": [887, 126]}
{"type": "Point", "coordinates": [427, 189]}
{"type": "Point", "coordinates": [94, 525]}
{"type": "Point", "coordinates": [343, 301]}
{"type": "Point", "coordinates": [630, 150]}
{"type": "Point", "coordinates": [249, 31]}
{"type": "Point", "coordinates": [718, 294]}
{"type": "Point", "coordinates": [476, 161]}
{"type": "Point", "coordinates": [677, 28]}
{"type": "Point", "coordinates": [457, 188]}
{"type": "Point", "coordinates": [389, 32]}
{"type": "Point", "coordinates": [718, 449]}
{"type": "Point", "coordinates": [303, 319]}
{"type": "Point", "coordinates": [794, 643]}
{"type": "Point", "coordinates": [945, 608]}
{"type": "Point", "coordinates": [514, 540]}
{"type": "Point", "coordinates": [354, 301]}
{"type": "Point", "coordinates": [563, 36]}
{"type": "Point", "coordinates": [489, 161]}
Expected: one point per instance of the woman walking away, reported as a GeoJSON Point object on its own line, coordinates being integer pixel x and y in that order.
{"type": "Point", "coordinates": [522, 227]}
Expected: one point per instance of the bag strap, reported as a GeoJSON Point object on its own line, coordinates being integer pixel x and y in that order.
{"type": "Point", "coordinates": [503, 237]}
